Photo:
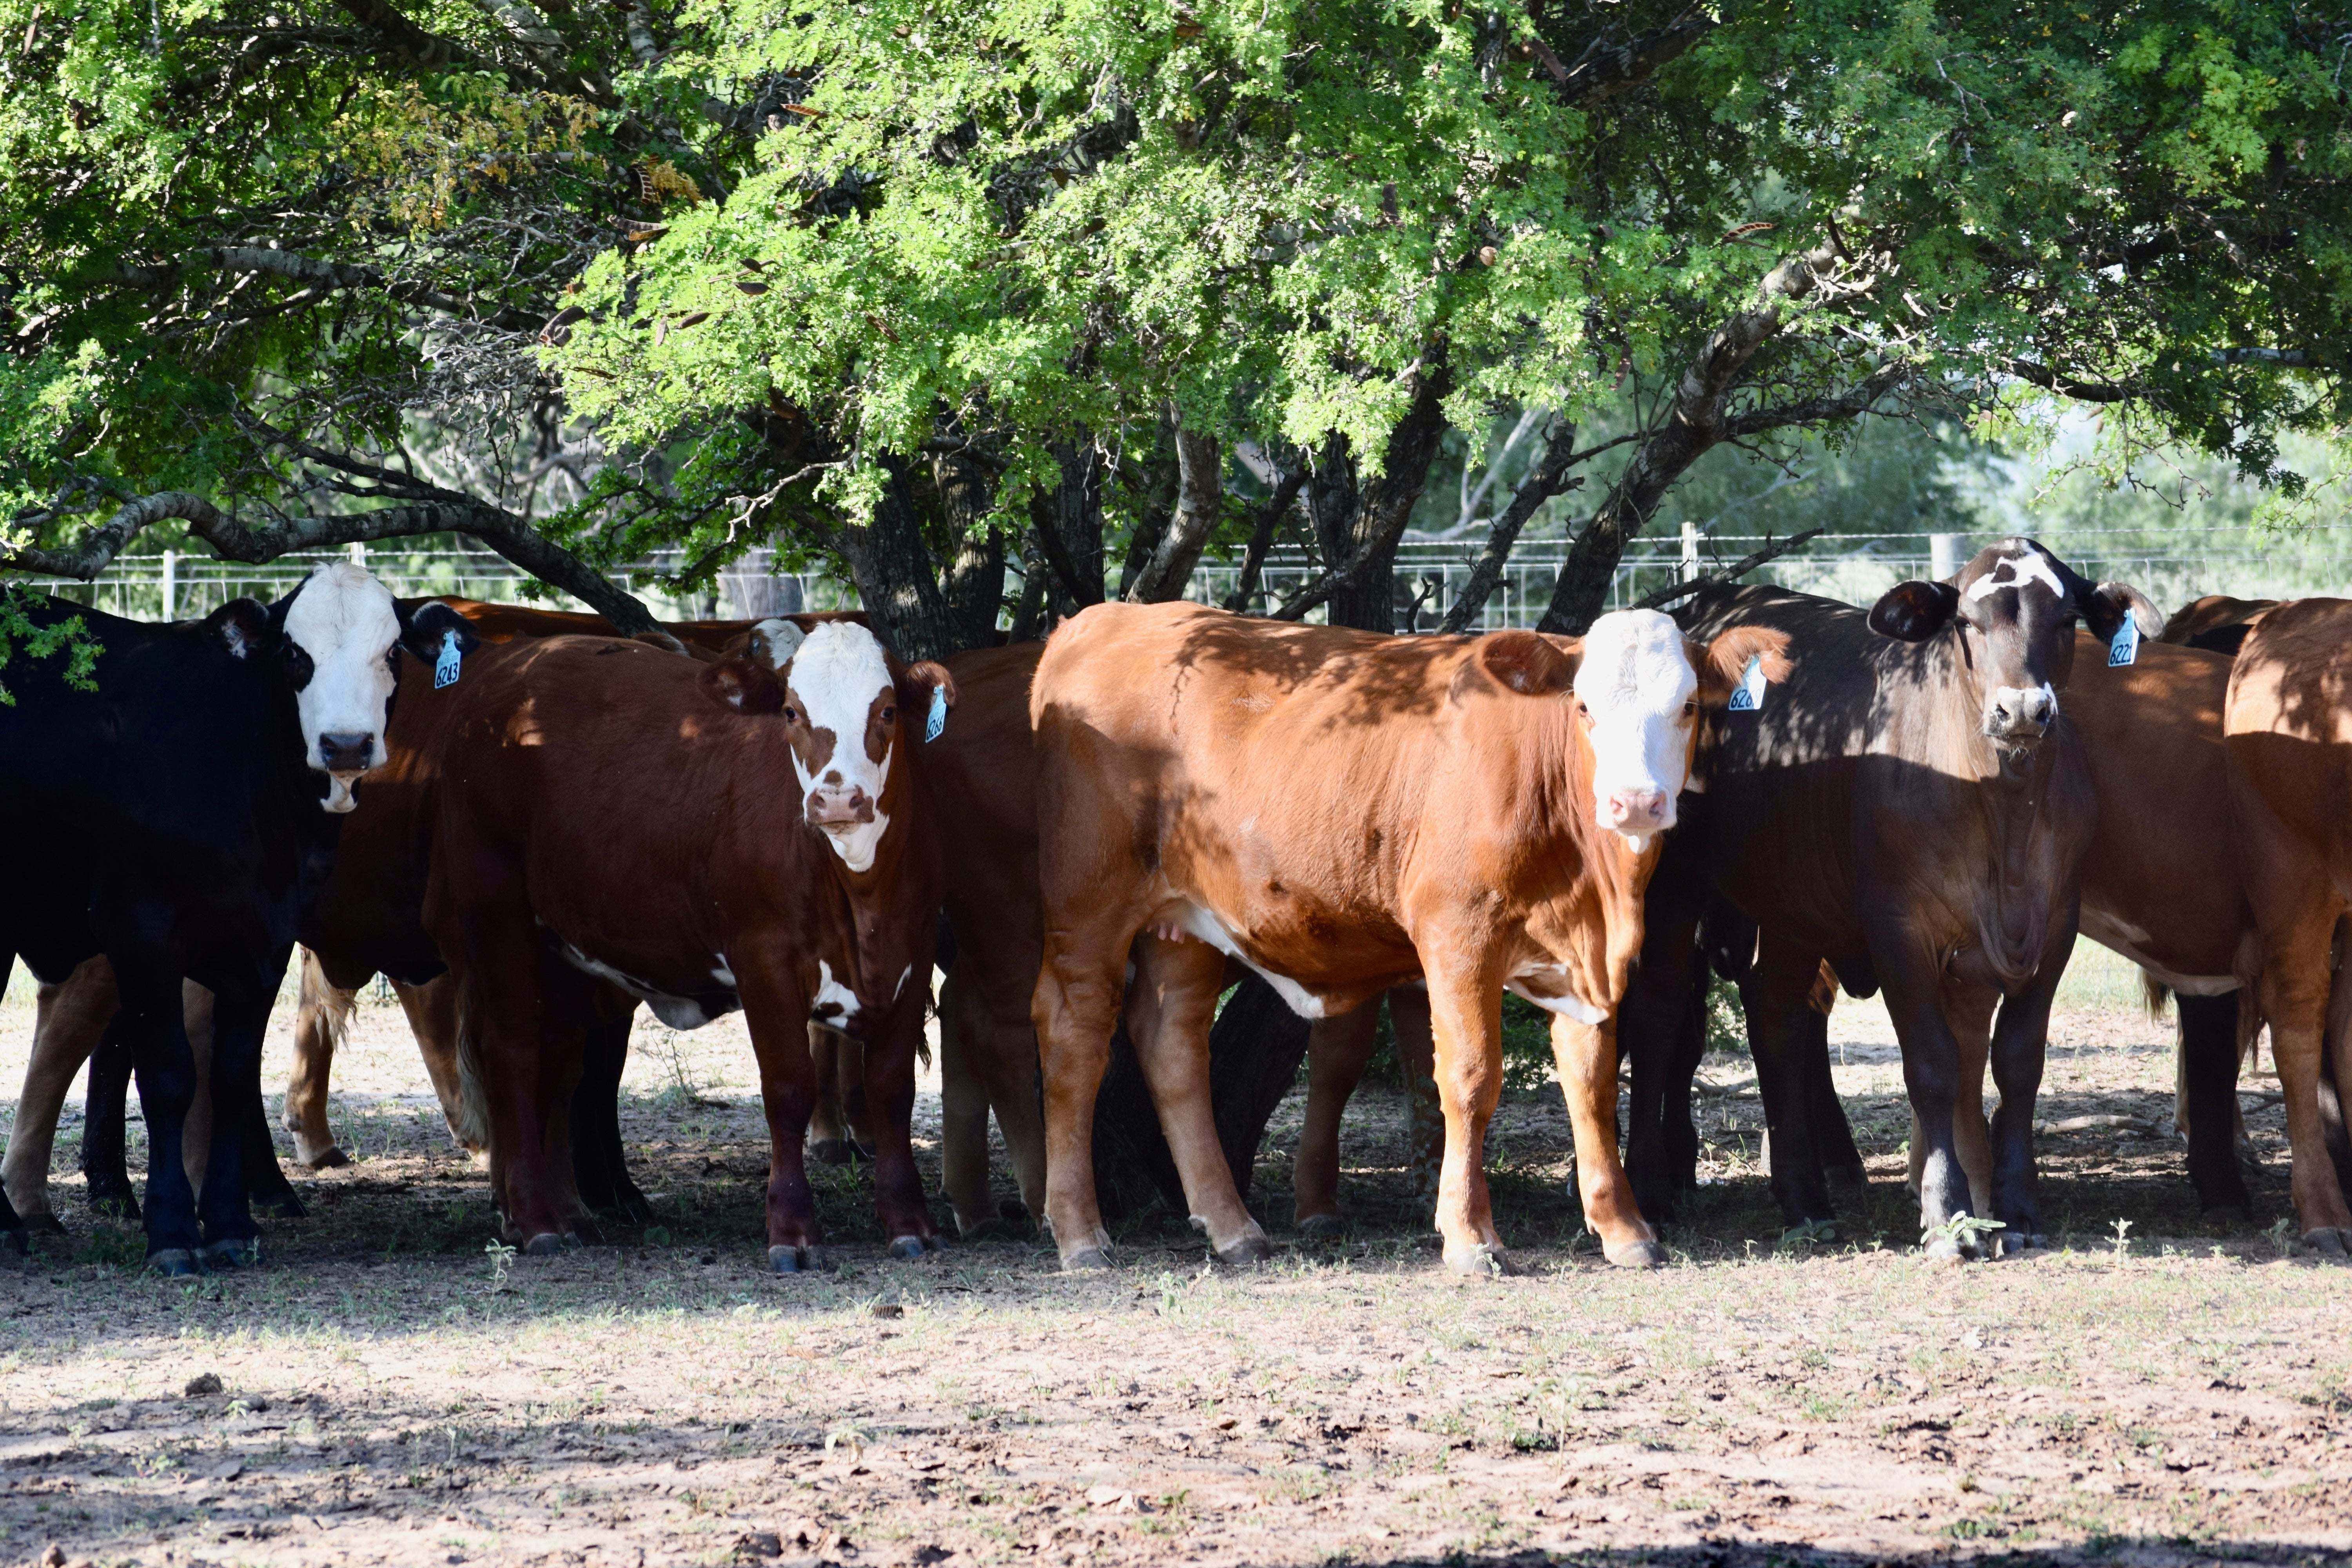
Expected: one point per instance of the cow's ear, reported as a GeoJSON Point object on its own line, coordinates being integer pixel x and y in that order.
{"type": "Point", "coordinates": [422, 629]}
{"type": "Point", "coordinates": [1914, 610]}
{"type": "Point", "coordinates": [1724, 663]}
{"type": "Point", "coordinates": [2105, 608]}
{"type": "Point", "coordinates": [1529, 664]}
{"type": "Point", "coordinates": [774, 642]}
{"type": "Point", "coordinates": [245, 627]}
{"type": "Point", "coordinates": [918, 682]}
{"type": "Point", "coordinates": [743, 684]}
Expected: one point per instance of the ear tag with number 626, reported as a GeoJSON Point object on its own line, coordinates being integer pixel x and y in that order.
{"type": "Point", "coordinates": [445, 669]}
{"type": "Point", "coordinates": [938, 722]}
{"type": "Point", "coordinates": [2124, 646]}
{"type": "Point", "coordinates": [1749, 694]}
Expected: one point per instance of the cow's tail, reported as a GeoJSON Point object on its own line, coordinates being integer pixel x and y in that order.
{"type": "Point", "coordinates": [2153, 995]}
{"type": "Point", "coordinates": [471, 1125]}
{"type": "Point", "coordinates": [1822, 997]}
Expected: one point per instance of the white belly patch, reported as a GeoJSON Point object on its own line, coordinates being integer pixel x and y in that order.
{"type": "Point", "coordinates": [1554, 997]}
{"type": "Point", "coordinates": [2123, 937]}
{"type": "Point", "coordinates": [676, 1012]}
{"type": "Point", "coordinates": [1196, 921]}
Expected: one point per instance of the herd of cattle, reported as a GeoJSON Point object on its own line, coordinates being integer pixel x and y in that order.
{"type": "Point", "coordinates": [529, 825]}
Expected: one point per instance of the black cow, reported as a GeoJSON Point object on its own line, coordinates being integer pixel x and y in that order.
{"type": "Point", "coordinates": [179, 817]}
{"type": "Point", "coordinates": [1907, 807]}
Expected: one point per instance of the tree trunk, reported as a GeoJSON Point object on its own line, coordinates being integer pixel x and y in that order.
{"type": "Point", "coordinates": [1199, 502]}
{"type": "Point", "coordinates": [1067, 518]}
{"type": "Point", "coordinates": [1367, 600]}
{"type": "Point", "coordinates": [895, 575]}
{"type": "Point", "coordinates": [975, 584]}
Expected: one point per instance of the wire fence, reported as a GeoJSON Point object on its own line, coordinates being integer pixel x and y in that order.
{"type": "Point", "coordinates": [1428, 577]}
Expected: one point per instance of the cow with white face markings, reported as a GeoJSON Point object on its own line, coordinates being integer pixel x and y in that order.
{"type": "Point", "coordinates": [1911, 805]}
{"type": "Point", "coordinates": [602, 816]}
{"type": "Point", "coordinates": [178, 813]}
{"type": "Point", "coordinates": [1345, 813]}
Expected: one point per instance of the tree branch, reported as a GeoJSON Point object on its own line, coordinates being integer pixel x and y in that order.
{"type": "Point", "coordinates": [1731, 574]}
{"type": "Point", "coordinates": [1261, 539]}
{"type": "Point", "coordinates": [1547, 479]}
{"type": "Point", "coordinates": [324, 274]}
{"type": "Point", "coordinates": [1603, 70]}
{"type": "Point", "coordinates": [1200, 502]}
{"type": "Point", "coordinates": [500, 529]}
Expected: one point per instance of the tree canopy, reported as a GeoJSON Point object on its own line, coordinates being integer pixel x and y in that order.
{"type": "Point", "coordinates": [1096, 286]}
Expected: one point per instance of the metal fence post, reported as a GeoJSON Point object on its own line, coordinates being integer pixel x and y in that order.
{"type": "Point", "coordinates": [170, 581]}
{"type": "Point", "coordinates": [1945, 552]}
{"type": "Point", "coordinates": [358, 555]}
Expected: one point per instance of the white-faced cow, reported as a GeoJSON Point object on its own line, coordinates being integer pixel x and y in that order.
{"type": "Point", "coordinates": [1345, 813]}
{"type": "Point", "coordinates": [178, 816]}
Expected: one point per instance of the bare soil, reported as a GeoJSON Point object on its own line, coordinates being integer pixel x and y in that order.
{"type": "Point", "coordinates": [389, 1391]}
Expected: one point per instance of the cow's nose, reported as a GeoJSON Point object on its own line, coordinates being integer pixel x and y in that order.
{"type": "Point", "coordinates": [2017, 713]}
{"type": "Point", "coordinates": [1637, 808]}
{"type": "Point", "coordinates": [838, 808]}
{"type": "Point", "coordinates": [349, 753]}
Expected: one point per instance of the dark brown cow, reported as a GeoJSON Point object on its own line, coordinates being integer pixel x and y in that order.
{"type": "Point", "coordinates": [1345, 813]}
{"type": "Point", "coordinates": [1909, 808]}
{"type": "Point", "coordinates": [2289, 727]}
{"type": "Point", "coordinates": [704, 841]}
{"type": "Point", "coordinates": [2216, 623]}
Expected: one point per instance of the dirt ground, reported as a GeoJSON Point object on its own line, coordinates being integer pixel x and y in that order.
{"type": "Point", "coordinates": [2158, 1390]}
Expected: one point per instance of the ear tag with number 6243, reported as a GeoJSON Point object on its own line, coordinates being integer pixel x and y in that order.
{"type": "Point", "coordinates": [1749, 694]}
{"type": "Point", "coordinates": [938, 722]}
{"type": "Point", "coordinates": [445, 669]}
{"type": "Point", "coordinates": [2124, 646]}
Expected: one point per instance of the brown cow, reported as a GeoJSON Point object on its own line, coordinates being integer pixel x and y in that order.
{"type": "Point", "coordinates": [1345, 813]}
{"type": "Point", "coordinates": [2289, 728]}
{"type": "Point", "coordinates": [593, 810]}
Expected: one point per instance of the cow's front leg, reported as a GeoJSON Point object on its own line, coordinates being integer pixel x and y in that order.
{"type": "Point", "coordinates": [322, 1015]}
{"type": "Point", "coordinates": [1585, 1056]}
{"type": "Point", "coordinates": [1080, 986]}
{"type": "Point", "coordinates": [1931, 1073]}
{"type": "Point", "coordinates": [237, 1021]}
{"type": "Point", "coordinates": [2020, 1037]}
{"type": "Point", "coordinates": [1170, 1009]}
{"type": "Point", "coordinates": [1466, 1016]}
{"type": "Point", "coordinates": [775, 1011]}
{"type": "Point", "coordinates": [884, 1094]}
{"type": "Point", "coordinates": [2208, 1101]}
{"type": "Point", "coordinates": [152, 1027]}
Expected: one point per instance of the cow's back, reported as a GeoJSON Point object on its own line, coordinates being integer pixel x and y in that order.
{"type": "Point", "coordinates": [2289, 723]}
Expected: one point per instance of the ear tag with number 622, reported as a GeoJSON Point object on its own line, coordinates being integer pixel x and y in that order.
{"type": "Point", "coordinates": [938, 722]}
{"type": "Point", "coordinates": [445, 669]}
{"type": "Point", "coordinates": [2124, 646]}
{"type": "Point", "coordinates": [1749, 694]}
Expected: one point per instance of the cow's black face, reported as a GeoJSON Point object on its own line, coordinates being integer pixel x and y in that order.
{"type": "Point", "coordinates": [2014, 607]}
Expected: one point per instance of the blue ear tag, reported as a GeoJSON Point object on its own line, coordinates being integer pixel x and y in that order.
{"type": "Point", "coordinates": [938, 722]}
{"type": "Point", "coordinates": [445, 669]}
{"type": "Point", "coordinates": [2124, 646]}
{"type": "Point", "coordinates": [1749, 694]}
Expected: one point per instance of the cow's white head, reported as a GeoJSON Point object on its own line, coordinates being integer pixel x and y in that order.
{"type": "Point", "coordinates": [848, 714]}
{"type": "Point", "coordinates": [339, 637]}
{"type": "Point", "coordinates": [1637, 684]}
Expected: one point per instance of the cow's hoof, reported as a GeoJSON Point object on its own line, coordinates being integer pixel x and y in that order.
{"type": "Point", "coordinates": [175, 1263]}
{"type": "Point", "coordinates": [333, 1159]}
{"type": "Point", "coordinates": [1323, 1227]}
{"type": "Point", "coordinates": [285, 1205]}
{"type": "Point", "coordinates": [787, 1259]}
{"type": "Point", "coordinates": [1086, 1260]}
{"type": "Point", "coordinates": [1635, 1255]}
{"type": "Point", "coordinates": [2326, 1242]}
{"type": "Point", "coordinates": [1488, 1261]}
{"type": "Point", "coordinates": [236, 1252]}
{"type": "Point", "coordinates": [1247, 1251]}
{"type": "Point", "coordinates": [42, 1225]}
{"type": "Point", "coordinates": [547, 1244]}
{"type": "Point", "coordinates": [830, 1151]}
{"type": "Point", "coordinates": [908, 1248]}
{"type": "Point", "coordinates": [1943, 1250]}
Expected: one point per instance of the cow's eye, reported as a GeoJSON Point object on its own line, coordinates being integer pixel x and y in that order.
{"type": "Point", "coordinates": [792, 716]}
{"type": "Point", "coordinates": [1690, 707]}
{"type": "Point", "coordinates": [889, 715]}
